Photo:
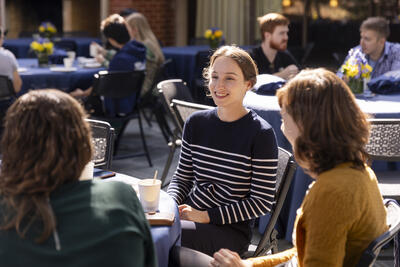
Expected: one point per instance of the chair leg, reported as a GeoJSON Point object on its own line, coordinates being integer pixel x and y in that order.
{"type": "Point", "coordinates": [167, 165]}
{"type": "Point", "coordinates": [144, 140]}
{"type": "Point", "coordinates": [118, 135]}
{"type": "Point", "coordinates": [147, 118]}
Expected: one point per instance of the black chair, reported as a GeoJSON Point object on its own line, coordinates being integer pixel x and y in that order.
{"type": "Point", "coordinates": [7, 97]}
{"type": "Point", "coordinates": [384, 145]}
{"type": "Point", "coordinates": [371, 253]}
{"type": "Point", "coordinates": [7, 91]}
{"type": "Point", "coordinates": [103, 142]}
{"type": "Point", "coordinates": [181, 111]}
{"type": "Point", "coordinates": [66, 44]}
{"type": "Point", "coordinates": [301, 54]}
{"type": "Point", "coordinates": [150, 100]}
{"type": "Point", "coordinates": [168, 90]}
{"type": "Point", "coordinates": [285, 173]}
{"type": "Point", "coordinates": [116, 85]}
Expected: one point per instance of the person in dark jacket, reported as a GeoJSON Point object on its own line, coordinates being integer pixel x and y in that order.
{"type": "Point", "coordinates": [131, 56]}
{"type": "Point", "coordinates": [271, 56]}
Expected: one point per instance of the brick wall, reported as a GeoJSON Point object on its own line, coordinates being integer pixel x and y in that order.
{"type": "Point", "coordinates": [160, 14]}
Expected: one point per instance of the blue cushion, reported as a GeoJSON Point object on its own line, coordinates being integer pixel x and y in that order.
{"type": "Point", "coordinates": [267, 84]}
{"type": "Point", "coordinates": [386, 84]}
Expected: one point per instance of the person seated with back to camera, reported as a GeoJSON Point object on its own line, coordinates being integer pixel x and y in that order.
{"type": "Point", "coordinates": [9, 64]}
{"type": "Point", "coordinates": [271, 56]}
{"type": "Point", "coordinates": [139, 30]}
{"type": "Point", "coordinates": [227, 167]}
{"type": "Point", "coordinates": [343, 210]}
{"type": "Point", "coordinates": [382, 56]}
{"type": "Point", "coordinates": [51, 214]}
{"type": "Point", "coordinates": [131, 56]}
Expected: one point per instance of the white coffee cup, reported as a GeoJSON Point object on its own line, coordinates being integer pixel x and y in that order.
{"type": "Point", "coordinates": [149, 194]}
{"type": "Point", "coordinates": [87, 173]}
{"type": "Point", "coordinates": [93, 50]}
{"type": "Point", "coordinates": [71, 54]}
{"type": "Point", "coordinates": [68, 62]}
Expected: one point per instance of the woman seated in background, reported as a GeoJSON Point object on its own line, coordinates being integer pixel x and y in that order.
{"type": "Point", "coordinates": [139, 30]}
{"type": "Point", "coordinates": [9, 64]}
{"type": "Point", "coordinates": [228, 162]}
{"type": "Point", "coordinates": [343, 210]}
{"type": "Point", "coordinates": [49, 216]}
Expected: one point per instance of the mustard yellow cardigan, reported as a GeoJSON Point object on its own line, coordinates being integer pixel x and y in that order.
{"type": "Point", "coordinates": [341, 214]}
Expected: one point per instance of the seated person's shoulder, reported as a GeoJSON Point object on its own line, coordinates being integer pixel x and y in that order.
{"type": "Point", "coordinates": [114, 188]}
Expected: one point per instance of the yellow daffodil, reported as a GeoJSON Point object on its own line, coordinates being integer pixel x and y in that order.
{"type": "Point", "coordinates": [37, 47]}
{"type": "Point", "coordinates": [49, 47]}
{"type": "Point", "coordinates": [218, 34]}
{"type": "Point", "coordinates": [208, 34]}
{"type": "Point", "coordinates": [41, 29]}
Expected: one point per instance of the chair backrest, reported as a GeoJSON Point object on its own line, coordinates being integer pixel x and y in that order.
{"type": "Point", "coordinates": [6, 88]}
{"type": "Point", "coordinates": [183, 109]}
{"type": "Point", "coordinates": [161, 73]}
{"type": "Point", "coordinates": [370, 254]}
{"type": "Point", "coordinates": [118, 84]}
{"type": "Point", "coordinates": [66, 44]}
{"type": "Point", "coordinates": [284, 176]}
{"type": "Point", "coordinates": [103, 141]}
{"type": "Point", "coordinates": [173, 89]}
{"type": "Point", "coordinates": [384, 141]}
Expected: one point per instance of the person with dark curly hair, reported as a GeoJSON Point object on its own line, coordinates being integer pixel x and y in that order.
{"type": "Point", "coordinates": [48, 216]}
{"type": "Point", "coordinates": [343, 210]}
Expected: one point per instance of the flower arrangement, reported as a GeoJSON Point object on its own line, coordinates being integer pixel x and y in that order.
{"type": "Point", "coordinates": [356, 69]}
{"type": "Point", "coordinates": [47, 29]}
{"type": "Point", "coordinates": [214, 37]}
{"type": "Point", "coordinates": [42, 49]}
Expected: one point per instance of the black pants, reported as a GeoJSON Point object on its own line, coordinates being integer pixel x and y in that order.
{"type": "Point", "coordinates": [209, 238]}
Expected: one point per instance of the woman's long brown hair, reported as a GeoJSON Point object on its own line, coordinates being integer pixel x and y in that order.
{"type": "Point", "coordinates": [333, 129]}
{"type": "Point", "coordinates": [46, 143]}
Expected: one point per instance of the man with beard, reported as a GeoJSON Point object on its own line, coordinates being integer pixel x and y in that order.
{"type": "Point", "coordinates": [382, 56]}
{"type": "Point", "coordinates": [271, 56]}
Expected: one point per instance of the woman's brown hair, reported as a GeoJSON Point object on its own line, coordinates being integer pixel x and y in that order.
{"type": "Point", "coordinates": [241, 57]}
{"type": "Point", "coordinates": [333, 129]}
{"type": "Point", "coordinates": [46, 143]}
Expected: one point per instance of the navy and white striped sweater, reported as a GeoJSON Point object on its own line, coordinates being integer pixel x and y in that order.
{"type": "Point", "coordinates": [226, 168]}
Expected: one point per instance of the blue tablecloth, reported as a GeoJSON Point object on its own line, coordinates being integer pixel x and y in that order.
{"type": "Point", "coordinates": [164, 237]}
{"type": "Point", "coordinates": [380, 106]}
{"type": "Point", "coordinates": [183, 64]}
{"type": "Point", "coordinates": [38, 78]}
{"type": "Point", "coordinates": [20, 46]}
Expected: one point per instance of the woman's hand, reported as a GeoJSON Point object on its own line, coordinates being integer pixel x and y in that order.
{"type": "Point", "coordinates": [186, 212]}
{"type": "Point", "coordinates": [226, 258]}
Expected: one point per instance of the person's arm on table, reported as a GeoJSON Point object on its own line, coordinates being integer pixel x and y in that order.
{"type": "Point", "coordinates": [288, 72]}
{"type": "Point", "coordinates": [17, 82]}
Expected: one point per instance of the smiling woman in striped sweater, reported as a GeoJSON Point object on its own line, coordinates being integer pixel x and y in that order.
{"type": "Point", "coordinates": [228, 162]}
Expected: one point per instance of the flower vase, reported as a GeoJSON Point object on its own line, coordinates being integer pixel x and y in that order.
{"type": "Point", "coordinates": [43, 60]}
{"type": "Point", "coordinates": [214, 44]}
{"type": "Point", "coordinates": [367, 92]}
{"type": "Point", "coordinates": [356, 85]}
